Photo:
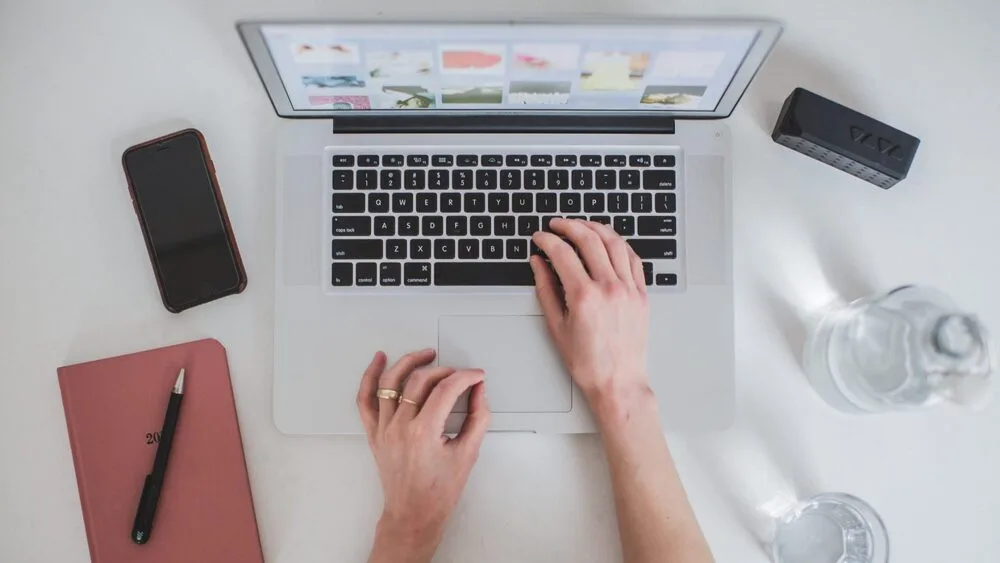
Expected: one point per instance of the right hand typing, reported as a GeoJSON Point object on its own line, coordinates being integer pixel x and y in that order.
{"type": "Point", "coordinates": [599, 318]}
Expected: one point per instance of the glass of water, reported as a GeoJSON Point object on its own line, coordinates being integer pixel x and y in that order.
{"type": "Point", "coordinates": [830, 528]}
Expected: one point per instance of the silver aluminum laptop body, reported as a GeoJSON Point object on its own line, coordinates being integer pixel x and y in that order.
{"type": "Point", "coordinates": [325, 336]}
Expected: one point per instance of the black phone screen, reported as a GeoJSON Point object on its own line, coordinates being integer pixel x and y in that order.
{"type": "Point", "coordinates": [182, 221]}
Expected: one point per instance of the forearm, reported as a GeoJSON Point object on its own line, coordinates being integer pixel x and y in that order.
{"type": "Point", "coordinates": [655, 519]}
{"type": "Point", "coordinates": [397, 543]}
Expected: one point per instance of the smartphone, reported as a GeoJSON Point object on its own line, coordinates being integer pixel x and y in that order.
{"type": "Point", "coordinates": [183, 219]}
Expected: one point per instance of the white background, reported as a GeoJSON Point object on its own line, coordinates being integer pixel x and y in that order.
{"type": "Point", "coordinates": [79, 80]}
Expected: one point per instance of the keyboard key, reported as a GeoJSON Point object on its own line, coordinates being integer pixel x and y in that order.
{"type": "Point", "coordinates": [479, 225]}
{"type": "Point", "coordinates": [665, 203]}
{"type": "Point", "coordinates": [642, 203]}
{"type": "Point", "coordinates": [468, 160]}
{"type": "Point", "coordinates": [444, 249]}
{"type": "Point", "coordinates": [545, 203]}
{"type": "Point", "coordinates": [607, 180]}
{"type": "Point", "coordinates": [534, 179]}
{"type": "Point", "coordinates": [420, 248]}
{"type": "Point", "coordinates": [580, 217]}
{"type": "Point", "coordinates": [625, 225]}
{"type": "Point", "coordinates": [541, 160]}
{"type": "Point", "coordinates": [451, 203]}
{"type": "Point", "coordinates": [491, 160]}
{"type": "Point", "coordinates": [343, 160]}
{"type": "Point", "coordinates": [443, 160]}
{"type": "Point", "coordinates": [414, 180]}
{"type": "Point", "coordinates": [517, 160]}
{"type": "Point", "coordinates": [499, 202]}
{"type": "Point", "coordinates": [528, 225]}
{"type": "Point", "coordinates": [569, 203]}
{"type": "Point", "coordinates": [639, 160]}
{"type": "Point", "coordinates": [628, 179]}
{"type": "Point", "coordinates": [517, 249]}
{"type": "Point", "coordinates": [409, 226]}
{"type": "Point", "coordinates": [402, 203]}
{"type": "Point", "coordinates": [468, 249]}
{"type": "Point", "coordinates": [654, 248]}
{"type": "Point", "coordinates": [492, 249]}
{"type": "Point", "coordinates": [390, 179]}
{"type": "Point", "coordinates": [483, 274]}
{"type": "Point", "coordinates": [456, 226]}
{"type": "Point", "coordinates": [392, 160]}
{"type": "Point", "coordinates": [522, 203]}
{"type": "Point", "coordinates": [534, 250]}
{"type": "Point", "coordinates": [510, 180]}
{"type": "Point", "coordinates": [504, 225]}
{"type": "Point", "coordinates": [427, 203]}
{"type": "Point", "coordinates": [558, 179]}
{"type": "Point", "coordinates": [659, 179]}
{"type": "Point", "coordinates": [343, 273]}
{"type": "Point", "coordinates": [583, 179]}
{"type": "Point", "coordinates": [475, 203]}
{"type": "Point", "coordinates": [566, 160]}
{"type": "Point", "coordinates": [417, 273]}
{"type": "Point", "coordinates": [664, 160]}
{"type": "Point", "coordinates": [546, 219]}
{"type": "Point", "coordinates": [486, 179]}
{"type": "Point", "coordinates": [357, 249]}
{"type": "Point", "coordinates": [657, 226]}
{"type": "Point", "coordinates": [343, 180]}
{"type": "Point", "coordinates": [366, 274]}
{"type": "Point", "coordinates": [590, 160]}
{"type": "Point", "coordinates": [617, 202]}
{"type": "Point", "coordinates": [367, 179]}
{"type": "Point", "coordinates": [614, 160]}
{"type": "Point", "coordinates": [344, 226]}
{"type": "Point", "coordinates": [348, 203]}
{"type": "Point", "coordinates": [437, 179]}
{"type": "Point", "coordinates": [647, 272]}
{"type": "Point", "coordinates": [432, 225]}
{"type": "Point", "coordinates": [385, 226]}
{"type": "Point", "coordinates": [593, 203]}
{"type": "Point", "coordinates": [461, 179]}
{"type": "Point", "coordinates": [368, 160]}
{"type": "Point", "coordinates": [602, 219]}
{"type": "Point", "coordinates": [417, 160]}
{"type": "Point", "coordinates": [395, 249]}
{"type": "Point", "coordinates": [389, 273]}
{"type": "Point", "coordinates": [666, 279]}
{"type": "Point", "coordinates": [378, 203]}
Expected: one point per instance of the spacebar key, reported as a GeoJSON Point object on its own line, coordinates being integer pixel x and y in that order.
{"type": "Point", "coordinates": [483, 273]}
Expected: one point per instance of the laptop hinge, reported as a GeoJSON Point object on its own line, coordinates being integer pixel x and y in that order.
{"type": "Point", "coordinates": [615, 124]}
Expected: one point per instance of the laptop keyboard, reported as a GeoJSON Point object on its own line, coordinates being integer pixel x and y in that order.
{"type": "Point", "coordinates": [465, 218]}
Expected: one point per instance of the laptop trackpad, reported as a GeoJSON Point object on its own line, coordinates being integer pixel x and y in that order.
{"type": "Point", "coordinates": [523, 371]}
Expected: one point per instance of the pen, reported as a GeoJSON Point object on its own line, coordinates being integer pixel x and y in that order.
{"type": "Point", "coordinates": [142, 528]}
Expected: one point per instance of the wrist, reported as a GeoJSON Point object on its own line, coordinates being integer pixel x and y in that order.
{"type": "Point", "coordinates": [623, 401]}
{"type": "Point", "coordinates": [401, 541]}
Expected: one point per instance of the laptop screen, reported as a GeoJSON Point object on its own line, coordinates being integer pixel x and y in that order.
{"type": "Point", "coordinates": [680, 68]}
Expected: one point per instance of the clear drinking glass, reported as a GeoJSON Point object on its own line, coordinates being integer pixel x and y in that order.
{"type": "Point", "coordinates": [911, 347]}
{"type": "Point", "coordinates": [830, 528]}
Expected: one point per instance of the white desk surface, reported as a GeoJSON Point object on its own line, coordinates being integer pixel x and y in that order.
{"type": "Point", "coordinates": [75, 282]}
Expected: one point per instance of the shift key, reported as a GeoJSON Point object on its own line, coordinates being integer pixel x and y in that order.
{"type": "Point", "coordinates": [357, 249]}
{"type": "Point", "coordinates": [654, 248]}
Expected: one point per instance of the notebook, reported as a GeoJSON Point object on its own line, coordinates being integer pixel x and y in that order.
{"type": "Point", "coordinates": [114, 412]}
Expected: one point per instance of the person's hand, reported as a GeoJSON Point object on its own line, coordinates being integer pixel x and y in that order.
{"type": "Point", "coordinates": [423, 472]}
{"type": "Point", "coordinates": [599, 319]}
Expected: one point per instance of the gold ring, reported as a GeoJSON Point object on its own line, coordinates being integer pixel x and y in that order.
{"type": "Point", "coordinates": [403, 399]}
{"type": "Point", "coordinates": [384, 393]}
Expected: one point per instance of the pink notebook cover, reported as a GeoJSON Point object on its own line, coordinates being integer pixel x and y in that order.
{"type": "Point", "coordinates": [114, 412]}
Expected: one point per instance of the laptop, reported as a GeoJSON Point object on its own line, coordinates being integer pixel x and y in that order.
{"type": "Point", "coordinates": [415, 160]}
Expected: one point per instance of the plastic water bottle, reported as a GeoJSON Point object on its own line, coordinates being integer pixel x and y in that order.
{"type": "Point", "coordinates": [911, 347]}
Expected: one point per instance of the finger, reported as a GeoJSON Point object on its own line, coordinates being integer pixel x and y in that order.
{"type": "Point", "coordinates": [367, 407]}
{"type": "Point", "coordinates": [566, 263]}
{"type": "Point", "coordinates": [476, 423]}
{"type": "Point", "coordinates": [637, 270]}
{"type": "Point", "coordinates": [591, 248]}
{"type": "Point", "coordinates": [393, 379]}
{"type": "Point", "coordinates": [617, 249]}
{"type": "Point", "coordinates": [547, 292]}
{"type": "Point", "coordinates": [417, 389]}
{"type": "Point", "coordinates": [444, 396]}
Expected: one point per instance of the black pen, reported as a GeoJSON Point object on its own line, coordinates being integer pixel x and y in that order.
{"type": "Point", "coordinates": [142, 528]}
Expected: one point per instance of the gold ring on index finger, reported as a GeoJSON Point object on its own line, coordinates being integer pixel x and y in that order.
{"type": "Point", "coordinates": [385, 393]}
